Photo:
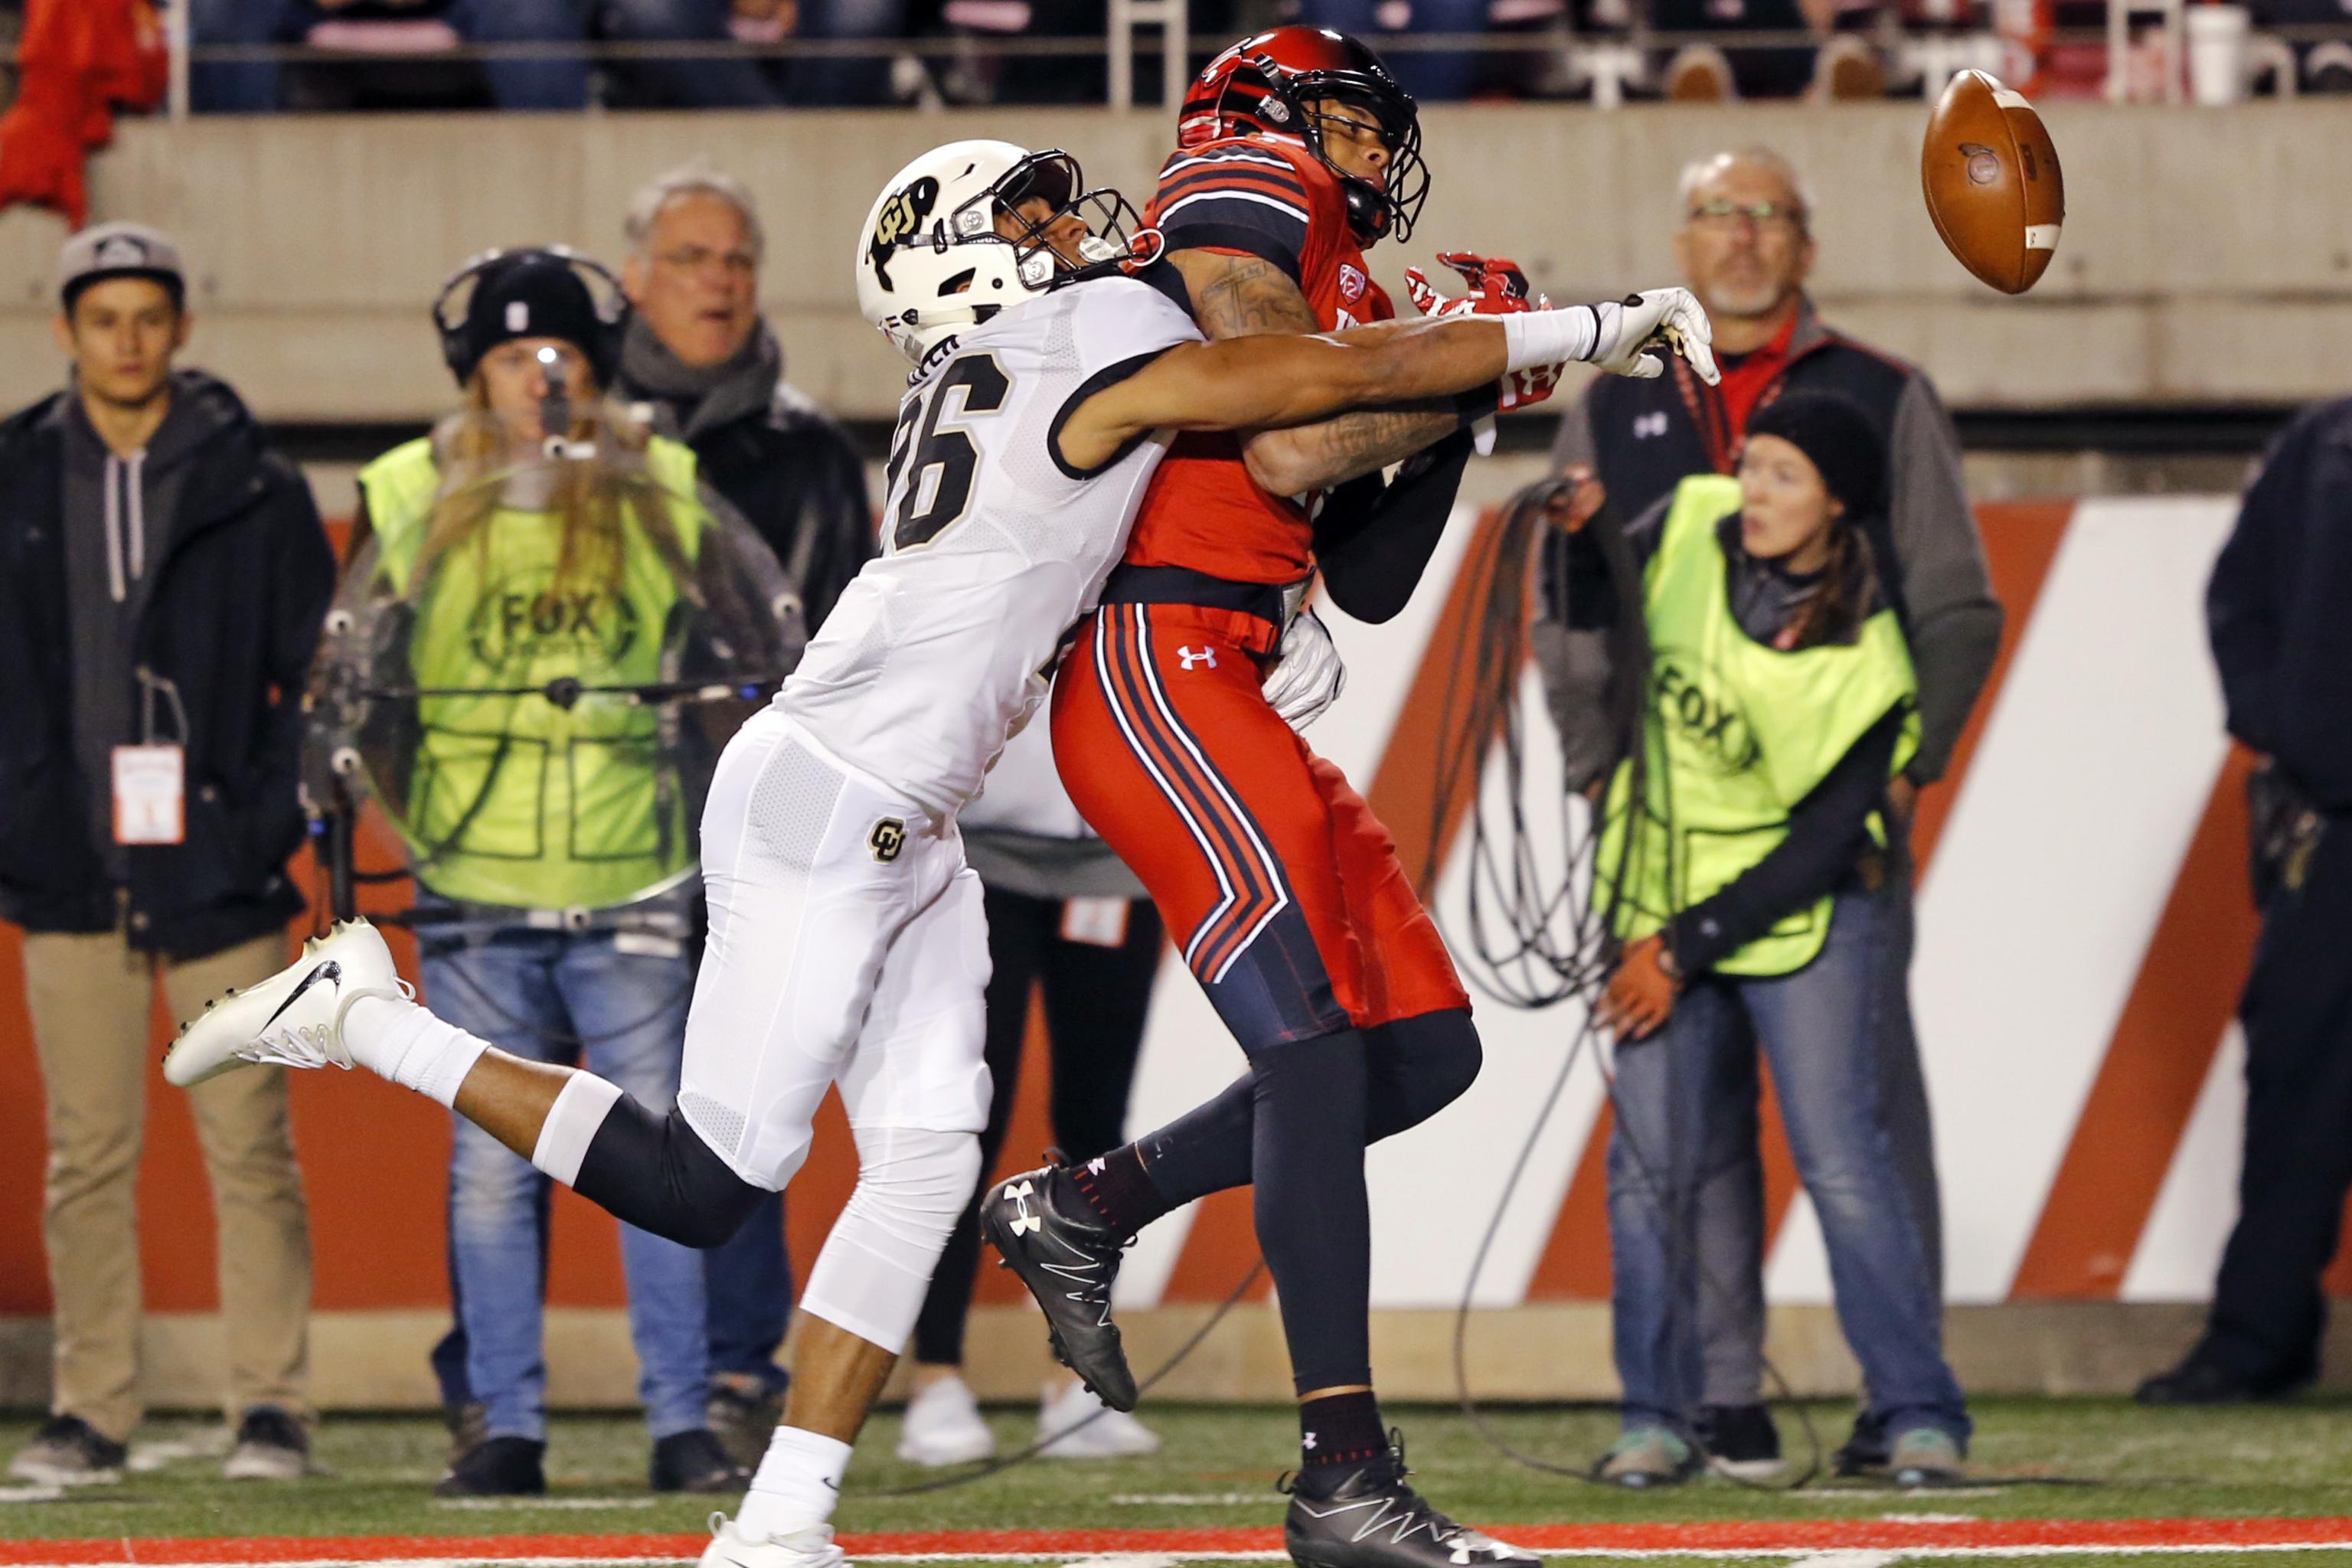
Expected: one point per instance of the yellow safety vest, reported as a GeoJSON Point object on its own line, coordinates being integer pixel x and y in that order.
{"type": "Point", "coordinates": [513, 799]}
{"type": "Point", "coordinates": [1737, 734]}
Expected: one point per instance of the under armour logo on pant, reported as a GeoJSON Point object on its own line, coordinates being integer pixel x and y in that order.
{"type": "Point", "coordinates": [1207, 656]}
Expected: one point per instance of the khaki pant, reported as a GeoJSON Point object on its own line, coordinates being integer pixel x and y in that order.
{"type": "Point", "coordinates": [90, 997]}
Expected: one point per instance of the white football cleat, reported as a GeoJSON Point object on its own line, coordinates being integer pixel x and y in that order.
{"type": "Point", "coordinates": [810, 1548]}
{"type": "Point", "coordinates": [943, 1427]}
{"type": "Point", "coordinates": [1067, 1432]}
{"type": "Point", "coordinates": [293, 1018]}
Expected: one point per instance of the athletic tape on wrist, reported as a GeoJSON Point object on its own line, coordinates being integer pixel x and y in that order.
{"type": "Point", "coordinates": [1532, 338]}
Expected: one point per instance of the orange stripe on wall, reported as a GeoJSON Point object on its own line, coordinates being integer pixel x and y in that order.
{"type": "Point", "coordinates": [2156, 1064]}
{"type": "Point", "coordinates": [2021, 539]}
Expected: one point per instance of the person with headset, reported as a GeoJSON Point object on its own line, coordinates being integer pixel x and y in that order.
{"type": "Point", "coordinates": [536, 538]}
{"type": "Point", "coordinates": [1745, 867]}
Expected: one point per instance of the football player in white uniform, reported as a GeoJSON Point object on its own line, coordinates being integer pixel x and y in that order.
{"type": "Point", "coordinates": [847, 941]}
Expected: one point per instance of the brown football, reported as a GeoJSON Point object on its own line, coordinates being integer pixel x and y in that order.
{"type": "Point", "coordinates": [1992, 179]}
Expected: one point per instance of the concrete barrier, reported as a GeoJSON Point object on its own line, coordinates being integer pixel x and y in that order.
{"type": "Point", "coordinates": [2207, 257]}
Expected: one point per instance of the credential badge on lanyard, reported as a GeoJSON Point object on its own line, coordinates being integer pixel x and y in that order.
{"type": "Point", "coordinates": [151, 779]}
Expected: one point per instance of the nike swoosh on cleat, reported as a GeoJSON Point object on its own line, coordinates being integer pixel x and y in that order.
{"type": "Point", "coordinates": [331, 969]}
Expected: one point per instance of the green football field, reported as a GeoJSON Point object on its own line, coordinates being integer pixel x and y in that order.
{"type": "Point", "coordinates": [2084, 1481]}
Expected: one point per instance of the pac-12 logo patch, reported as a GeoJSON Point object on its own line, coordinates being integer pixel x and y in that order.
{"type": "Point", "coordinates": [889, 837]}
{"type": "Point", "coordinates": [1352, 283]}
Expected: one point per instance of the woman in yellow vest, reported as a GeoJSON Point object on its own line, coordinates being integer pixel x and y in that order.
{"type": "Point", "coordinates": [526, 558]}
{"type": "Point", "coordinates": [1741, 865]}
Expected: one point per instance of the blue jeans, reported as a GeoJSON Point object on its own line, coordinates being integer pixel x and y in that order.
{"type": "Point", "coordinates": [528, 991]}
{"type": "Point", "coordinates": [1731, 1206]}
{"type": "Point", "coordinates": [252, 87]}
{"type": "Point", "coordinates": [732, 82]}
{"type": "Point", "coordinates": [750, 1284]}
{"type": "Point", "coordinates": [1817, 1030]}
{"type": "Point", "coordinates": [826, 83]}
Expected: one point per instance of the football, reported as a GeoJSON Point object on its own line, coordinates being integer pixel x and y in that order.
{"type": "Point", "coordinates": [1991, 176]}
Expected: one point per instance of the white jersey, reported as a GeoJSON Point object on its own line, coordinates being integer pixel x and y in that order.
{"type": "Point", "coordinates": [992, 549]}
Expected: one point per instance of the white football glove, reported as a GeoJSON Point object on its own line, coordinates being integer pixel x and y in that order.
{"type": "Point", "coordinates": [1307, 675]}
{"type": "Point", "coordinates": [1629, 332]}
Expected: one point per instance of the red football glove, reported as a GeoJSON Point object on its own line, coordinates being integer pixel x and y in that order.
{"type": "Point", "coordinates": [1526, 388]}
{"type": "Point", "coordinates": [1498, 286]}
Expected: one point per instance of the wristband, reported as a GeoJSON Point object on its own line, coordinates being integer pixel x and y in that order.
{"type": "Point", "coordinates": [1532, 338]}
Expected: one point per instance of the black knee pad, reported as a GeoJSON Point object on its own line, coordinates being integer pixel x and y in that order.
{"type": "Point", "coordinates": [657, 1174]}
{"type": "Point", "coordinates": [1419, 1067]}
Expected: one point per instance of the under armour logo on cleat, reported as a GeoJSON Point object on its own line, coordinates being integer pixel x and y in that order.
{"type": "Point", "coordinates": [1207, 656]}
{"type": "Point", "coordinates": [1027, 1222]}
{"type": "Point", "coordinates": [1307, 1442]}
{"type": "Point", "coordinates": [1023, 1191]}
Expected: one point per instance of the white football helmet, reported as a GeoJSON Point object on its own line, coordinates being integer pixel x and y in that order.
{"type": "Point", "coordinates": [931, 262]}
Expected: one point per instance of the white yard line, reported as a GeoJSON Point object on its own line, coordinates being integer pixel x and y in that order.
{"type": "Point", "coordinates": [1800, 1557]}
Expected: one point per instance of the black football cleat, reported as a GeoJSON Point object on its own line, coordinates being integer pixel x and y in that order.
{"type": "Point", "coordinates": [1370, 1517]}
{"type": "Point", "coordinates": [1046, 1232]}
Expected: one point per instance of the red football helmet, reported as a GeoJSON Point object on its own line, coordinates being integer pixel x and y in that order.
{"type": "Point", "coordinates": [1265, 84]}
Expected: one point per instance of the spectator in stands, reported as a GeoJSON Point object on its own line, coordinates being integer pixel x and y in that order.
{"type": "Point", "coordinates": [554, 898]}
{"type": "Point", "coordinates": [698, 351]}
{"type": "Point", "coordinates": [555, 82]}
{"type": "Point", "coordinates": [1746, 246]}
{"type": "Point", "coordinates": [2276, 610]}
{"type": "Point", "coordinates": [1069, 920]}
{"type": "Point", "coordinates": [846, 81]}
{"type": "Point", "coordinates": [164, 578]}
{"type": "Point", "coordinates": [1432, 76]}
{"type": "Point", "coordinates": [1747, 870]}
{"type": "Point", "coordinates": [1840, 64]}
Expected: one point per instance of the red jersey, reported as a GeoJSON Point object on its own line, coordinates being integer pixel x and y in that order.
{"type": "Point", "coordinates": [1269, 197]}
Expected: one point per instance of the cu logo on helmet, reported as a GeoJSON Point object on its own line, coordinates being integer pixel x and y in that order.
{"type": "Point", "coordinates": [889, 837]}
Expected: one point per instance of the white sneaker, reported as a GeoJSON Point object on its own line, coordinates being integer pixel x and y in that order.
{"type": "Point", "coordinates": [1064, 1427]}
{"type": "Point", "coordinates": [943, 1427]}
{"type": "Point", "coordinates": [811, 1548]}
{"type": "Point", "coordinates": [294, 1017]}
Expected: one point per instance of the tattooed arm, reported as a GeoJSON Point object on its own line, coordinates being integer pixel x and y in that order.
{"type": "Point", "coordinates": [1241, 296]}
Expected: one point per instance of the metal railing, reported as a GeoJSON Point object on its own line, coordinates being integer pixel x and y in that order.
{"type": "Point", "coordinates": [1614, 67]}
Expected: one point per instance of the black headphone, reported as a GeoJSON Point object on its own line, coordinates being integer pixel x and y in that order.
{"type": "Point", "coordinates": [611, 313]}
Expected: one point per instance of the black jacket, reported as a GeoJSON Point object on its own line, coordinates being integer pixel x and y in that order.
{"type": "Point", "coordinates": [2277, 607]}
{"type": "Point", "coordinates": [234, 616]}
{"type": "Point", "coordinates": [792, 474]}
{"type": "Point", "coordinates": [1643, 437]}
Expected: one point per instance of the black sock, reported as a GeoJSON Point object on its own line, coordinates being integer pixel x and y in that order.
{"type": "Point", "coordinates": [1117, 1187]}
{"type": "Point", "coordinates": [1341, 1429]}
{"type": "Point", "coordinates": [1314, 1221]}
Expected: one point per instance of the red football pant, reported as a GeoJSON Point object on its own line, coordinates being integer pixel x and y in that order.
{"type": "Point", "coordinates": [1278, 885]}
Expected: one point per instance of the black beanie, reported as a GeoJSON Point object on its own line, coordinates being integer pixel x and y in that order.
{"type": "Point", "coordinates": [1839, 438]}
{"type": "Point", "coordinates": [534, 294]}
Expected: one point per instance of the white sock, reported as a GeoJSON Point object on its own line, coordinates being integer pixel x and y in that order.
{"type": "Point", "coordinates": [405, 1043]}
{"type": "Point", "coordinates": [797, 1485]}
{"type": "Point", "coordinates": [580, 1109]}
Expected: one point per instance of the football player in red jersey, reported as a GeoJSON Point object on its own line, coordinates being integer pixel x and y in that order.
{"type": "Point", "coordinates": [1296, 148]}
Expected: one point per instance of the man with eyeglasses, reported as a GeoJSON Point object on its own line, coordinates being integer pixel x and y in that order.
{"type": "Point", "coordinates": [698, 351]}
{"type": "Point", "coordinates": [1746, 248]}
